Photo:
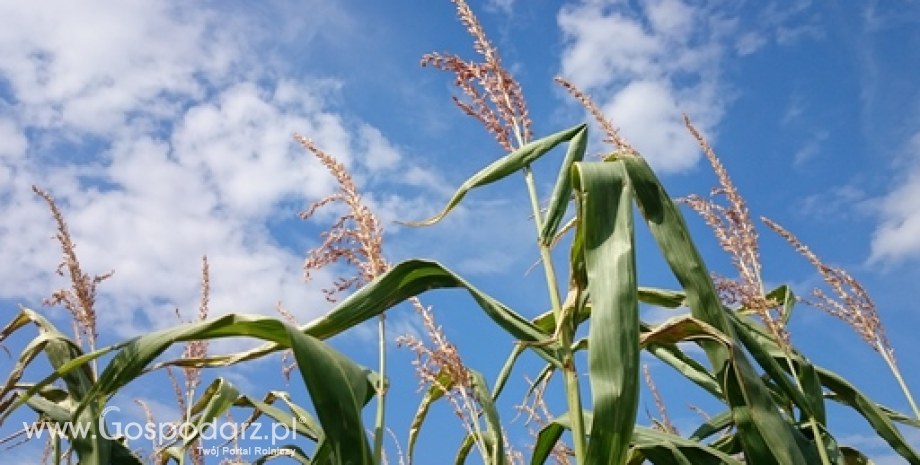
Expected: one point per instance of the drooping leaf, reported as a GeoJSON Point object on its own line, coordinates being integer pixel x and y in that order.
{"type": "Point", "coordinates": [405, 280]}
{"type": "Point", "coordinates": [299, 418]}
{"type": "Point", "coordinates": [214, 402]}
{"type": "Point", "coordinates": [339, 389]}
{"type": "Point", "coordinates": [505, 166]}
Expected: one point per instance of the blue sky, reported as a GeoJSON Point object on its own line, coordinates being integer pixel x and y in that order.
{"type": "Point", "coordinates": [164, 131]}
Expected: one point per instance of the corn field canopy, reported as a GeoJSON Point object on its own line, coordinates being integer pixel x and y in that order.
{"type": "Point", "coordinates": [484, 232]}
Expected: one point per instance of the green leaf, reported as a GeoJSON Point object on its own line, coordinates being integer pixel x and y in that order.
{"type": "Point", "coordinates": [59, 348]}
{"type": "Point", "coordinates": [681, 329]}
{"type": "Point", "coordinates": [664, 447]}
{"type": "Point", "coordinates": [754, 339]}
{"type": "Point", "coordinates": [844, 392]}
{"type": "Point", "coordinates": [712, 426]}
{"type": "Point", "coordinates": [660, 446]}
{"type": "Point", "coordinates": [847, 394]}
{"type": "Point", "coordinates": [505, 166]}
{"type": "Point", "coordinates": [443, 382]}
{"type": "Point", "coordinates": [505, 372]}
{"type": "Point", "coordinates": [213, 403]}
{"type": "Point", "coordinates": [686, 365]}
{"type": "Point", "coordinates": [493, 439]}
{"type": "Point", "coordinates": [92, 447]}
{"type": "Point", "coordinates": [563, 189]}
{"type": "Point", "coordinates": [405, 280]}
{"type": "Point", "coordinates": [339, 389]}
{"type": "Point", "coordinates": [302, 420]}
{"type": "Point", "coordinates": [786, 297]}
{"type": "Point", "coordinates": [854, 457]}
{"type": "Point", "coordinates": [606, 228]}
{"type": "Point", "coordinates": [547, 438]}
{"type": "Point", "coordinates": [762, 430]}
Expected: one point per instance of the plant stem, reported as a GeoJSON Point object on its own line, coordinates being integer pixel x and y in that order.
{"type": "Point", "coordinates": [56, 449]}
{"type": "Point", "coordinates": [897, 374]}
{"type": "Point", "coordinates": [379, 421]}
{"type": "Point", "coordinates": [572, 387]}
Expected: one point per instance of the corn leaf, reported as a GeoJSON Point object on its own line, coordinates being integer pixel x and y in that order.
{"type": "Point", "coordinates": [214, 402]}
{"type": "Point", "coordinates": [762, 430]}
{"type": "Point", "coordinates": [443, 383]}
{"type": "Point", "coordinates": [92, 447]}
{"type": "Point", "coordinates": [562, 192]}
{"type": "Point", "coordinates": [339, 389]}
{"type": "Point", "coordinates": [493, 439]}
{"type": "Point", "coordinates": [606, 229]}
{"type": "Point", "coordinates": [303, 421]}
{"type": "Point", "coordinates": [505, 166]}
{"type": "Point", "coordinates": [405, 280]}
{"type": "Point", "coordinates": [843, 392]}
{"type": "Point", "coordinates": [664, 447]}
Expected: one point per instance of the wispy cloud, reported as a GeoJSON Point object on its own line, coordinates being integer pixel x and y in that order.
{"type": "Point", "coordinates": [750, 42]}
{"type": "Point", "coordinates": [836, 204]}
{"type": "Point", "coordinates": [504, 6]}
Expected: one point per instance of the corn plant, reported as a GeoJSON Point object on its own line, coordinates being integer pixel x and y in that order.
{"type": "Point", "coordinates": [775, 399]}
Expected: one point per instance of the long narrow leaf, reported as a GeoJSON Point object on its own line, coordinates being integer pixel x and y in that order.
{"type": "Point", "coordinates": [606, 227]}
{"type": "Point", "coordinates": [214, 402]}
{"type": "Point", "coordinates": [563, 189]}
{"type": "Point", "coordinates": [304, 423]}
{"type": "Point", "coordinates": [763, 431]}
{"type": "Point", "coordinates": [494, 440]}
{"type": "Point", "coordinates": [505, 166]}
{"type": "Point", "coordinates": [442, 383]}
{"type": "Point", "coordinates": [844, 392]}
{"type": "Point", "coordinates": [643, 439]}
{"type": "Point", "coordinates": [405, 280]}
{"type": "Point", "coordinates": [93, 446]}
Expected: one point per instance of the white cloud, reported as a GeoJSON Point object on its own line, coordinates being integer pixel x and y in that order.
{"type": "Point", "coordinates": [646, 68]}
{"type": "Point", "coordinates": [671, 17]}
{"type": "Point", "coordinates": [789, 23]}
{"type": "Point", "coordinates": [897, 237]}
{"type": "Point", "coordinates": [653, 123]}
{"type": "Point", "coordinates": [647, 62]}
{"type": "Point", "coordinates": [87, 66]}
{"type": "Point", "coordinates": [12, 142]}
{"type": "Point", "coordinates": [164, 134]}
{"type": "Point", "coordinates": [605, 48]}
